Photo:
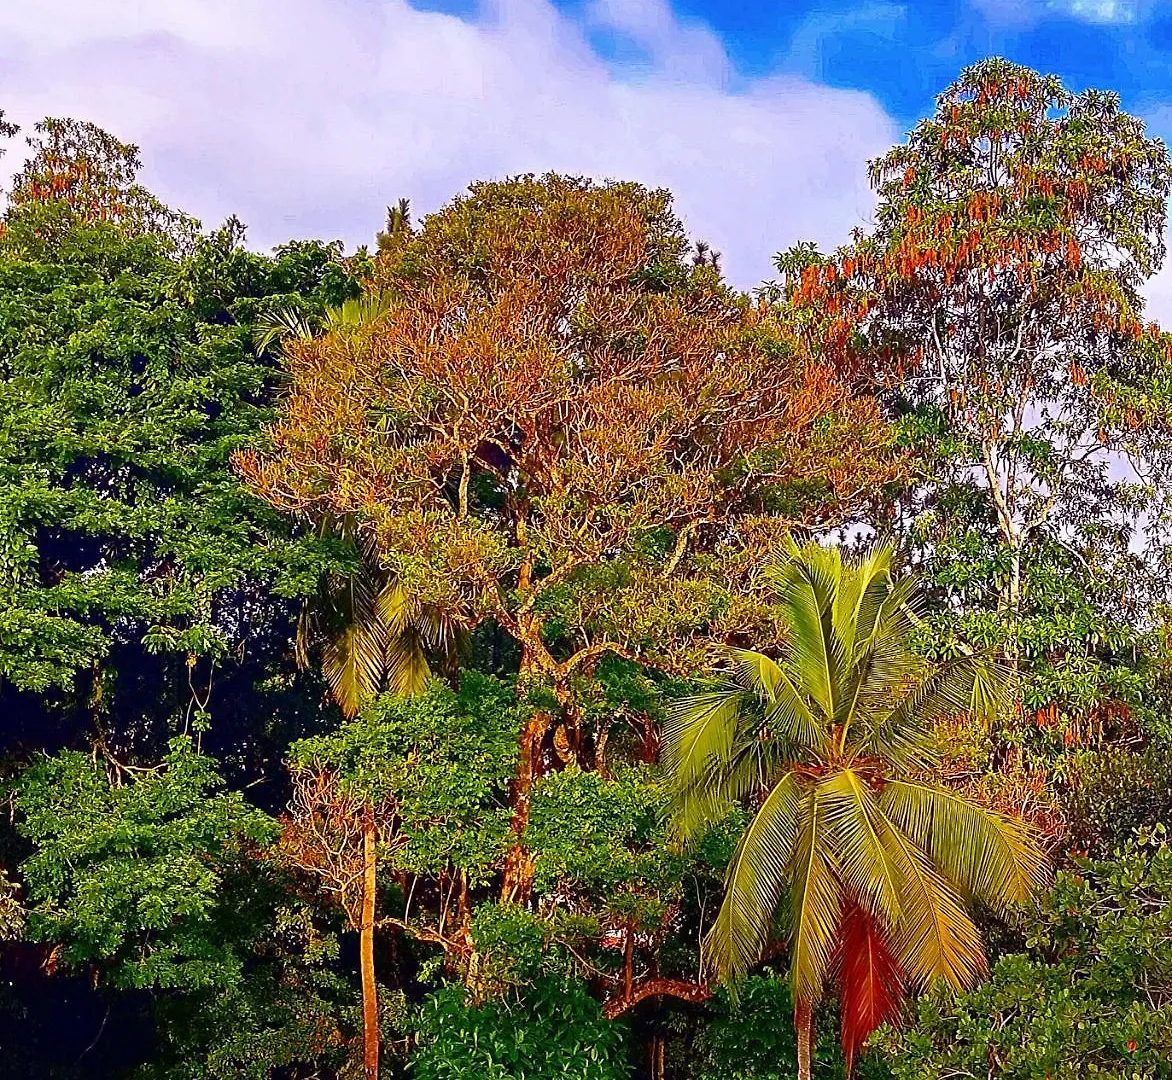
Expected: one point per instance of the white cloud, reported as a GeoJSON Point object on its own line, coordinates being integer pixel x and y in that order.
{"type": "Point", "coordinates": [1103, 12]}
{"type": "Point", "coordinates": [306, 117]}
{"type": "Point", "coordinates": [1097, 11]}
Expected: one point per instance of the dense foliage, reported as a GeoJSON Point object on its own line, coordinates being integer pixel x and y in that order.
{"type": "Point", "coordinates": [511, 652]}
{"type": "Point", "coordinates": [1092, 992]}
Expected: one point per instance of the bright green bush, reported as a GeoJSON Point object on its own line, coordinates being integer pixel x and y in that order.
{"type": "Point", "coordinates": [556, 1031]}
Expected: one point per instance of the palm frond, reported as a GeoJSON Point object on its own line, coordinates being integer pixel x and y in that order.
{"type": "Point", "coordinates": [361, 311]}
{"type": "Point", "coordinates": [855, 826]}
{"type": "Point", "coordinates": [439, 631]}
{"type": "Point", "coordinates": [395, 607]}
{"type": "Point", "coordinates": [700, 730]}
{"type": "Point", "coordinates": [353, 661]}
{"type": "Point", "coordinates": [869, 980]}
{"type": "Point", "coordinates": [900, 612]}
{"type": "Point", "coordinates": [788, 715]}
{"type": "Point", "coordinates": [754, 882]}
{"type": "Point", "coordinates": [374, 635]}
{"type": "Point", "coordinates": [287, 322]}
{"type": "Point", "coordinates": [723, 785]}
{"type": "Point", "coordinates": [304, 634]}
{"type": "Point", "coordinates": [807, 587]}
{"type": "Point", "coordinates": [988, 856]}
{"type": "Point", "coordinates": [901, 734]}
{"type": "Point", "coordinates": [861, 596]}
{"type": "Point", "coordinates": [406, 669]}
{"type": "Point", "coordinates": [934, 940]}
{"type": "Point", "coordinates": [274, 326]}
{"type": "Point", "coordinates": [816, 900]}
{"type": "Point", "coordinates": [884, 672]}
{"type": "Point", "coordinates": [442, 632]}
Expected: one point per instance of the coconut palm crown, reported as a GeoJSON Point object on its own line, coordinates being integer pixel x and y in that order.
{"type": "Point", "coordinates": [863, 869]}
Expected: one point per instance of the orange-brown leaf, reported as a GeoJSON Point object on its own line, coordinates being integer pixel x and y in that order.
{"type": "Point", "coordinates": [870, 982]}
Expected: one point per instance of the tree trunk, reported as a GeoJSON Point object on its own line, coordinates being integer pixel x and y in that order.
{"type": "Point", "coordinates": [518, 876]}
{"type": "Point", "coordinates": [1015, 575]}
{"type": "Point", "coordinates": [370, 1025]}
{"type": "Point", "coordinates": [1013, 651]}
{"type": "Point", "coordinates": [1013, 534]}
{"type": "Point", "coordinates": [804, 1023]}
{"type": "Point", "coordinates": [655, 1057]}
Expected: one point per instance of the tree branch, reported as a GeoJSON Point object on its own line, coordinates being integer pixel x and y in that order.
{"type": "Point", "coordinates": [656, 986]}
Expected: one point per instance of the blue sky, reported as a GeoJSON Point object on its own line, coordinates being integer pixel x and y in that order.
{"type": "Point", "coordinates": [905, 53]}
{"type": "Point", "coordinates": [307, 117]}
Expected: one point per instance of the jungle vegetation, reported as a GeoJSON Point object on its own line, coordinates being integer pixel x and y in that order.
{"type": "Point", "coordinates": [510, 652]}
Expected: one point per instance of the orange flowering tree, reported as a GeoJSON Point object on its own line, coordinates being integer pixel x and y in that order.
{"type": "Point", "coordinates": [1014, 230]}
{"type": "Point", "coordinates": [561, 424]}
{"type": "Point", "coordinates": [76, 168]}
{"type": "Point", "coordinates": [1001, 285]}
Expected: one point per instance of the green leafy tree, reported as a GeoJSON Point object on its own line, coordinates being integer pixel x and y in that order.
{"type": "Point", "coordinates": [606, 863]}
{"type": "Point", "coordinates": [746, 1037]}
{"type": "Point", "coordinates": [133, 567]}
{"type": "Point", "coordinates": [136, 595]}
{"type": "Point", "coordinates": [7, 128]}
{"type": "Point", "coordinates": [554, 1031]}
{"type": "Point", "coordinates": [421, 781]}
{"type": "Point", "coordinates": [872, 866]}
{"type": "Point", "coordinates": [160, 879]}
{"type": "Point", "coordinates": [1090, 995]}
{"type": "Point", "coordinates": [11, 909]}
{"type": "Point", "coordinates": [1115, 793]}
{"type": "Point", "coordinates": [293, 1013]}
{"type": "Point", "coordinates": [129, 868]}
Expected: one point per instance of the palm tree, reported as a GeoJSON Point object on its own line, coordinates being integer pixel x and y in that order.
{"type": "Point", "coordinates": [374, 636]}
{"type": "Point", "coordinates": [867, 869]}
{"type": "Point", "coordinates": [273, 327]}
{"type": "Point", "coordinates": [398, 229]}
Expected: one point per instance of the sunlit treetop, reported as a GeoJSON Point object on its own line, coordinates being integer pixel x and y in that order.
{"type": "Point", "coordinates": [1015, 191]}
{"type": "Point", "coordinates": [556, 396]}
{"type": "Point", "coordinates": [76, 165]}
{"type": "Point", "coordinates": [1013, 171]}
{"type": "Point", "coordinates": [1000, 292]}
